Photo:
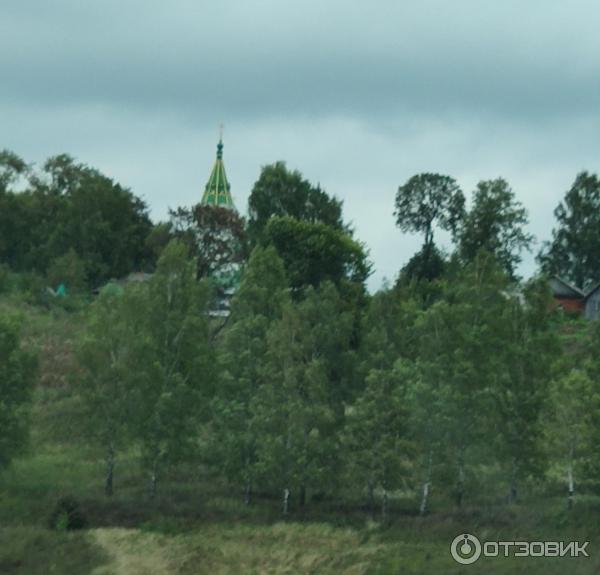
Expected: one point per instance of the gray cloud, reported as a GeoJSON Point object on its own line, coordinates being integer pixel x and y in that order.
{"type": "Point", "coordinates": [268, 58]}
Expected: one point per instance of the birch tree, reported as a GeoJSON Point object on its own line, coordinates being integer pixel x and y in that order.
{"type": "Point", "coordinates": [110, 370]}
{"type": "Point", "coordinates": [177, 374]}
{"type": "Point", "coordinates": [574, 400]}
{"type": "Point", "coordinates": [461, 355]}
{"type": "Point", "coordinates": [530, 349]}
{"type": "Point", "coordinates": [296, 410]}
{"type": "Point", "coordinates": [257, 304]}
{"type": "Point", "coordinates": [376, 435]}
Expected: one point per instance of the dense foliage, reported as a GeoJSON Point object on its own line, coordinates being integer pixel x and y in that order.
{"type": "Point", "coordinates": [574, 251]}
{"type": "Point", "coordinates": [461, 381]}
{"type": "Point", "coordinates": [17, 368]}
{"type": "Point", "coordinates": [67, 209]}
{"type": "Point", "coordinates": [281, 192]}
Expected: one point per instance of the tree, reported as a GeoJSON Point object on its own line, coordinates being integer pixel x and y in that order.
{"type": "Point", "coordinates": [574, 398]}
{"type": "Point", "coordinates": [12, 167]}
{"type": "Point", "coordinates": [258, 302]}
{"type": "Point", "coordinates": [297, 410]}
{"type": "Point", "coordinates": [177, 377]}
{"type": "Point", "coordinates": [426, 200]}
{"type": "Point", "coordinates": [17, 372]}
{"type": "Point", "coordinates": [422, 277]}
{"type": "Point", "coordinates": [103, 222]}
{"type": "Point", "coordinates": [376, 434]}
{"type": "Point", "coordinates": [14, 225]}
{"type": "Point", "coordinates": [459, 361]}
{"type": "Point", "coordinates": [426, 398]}
{"type": "Point", "coordinates": [520, 386]}
{"type": "Point", "coordinates": [281, 192]}
{"type": "Point", "coordinates": [495, 223]}
{"type": "Point", "coordinates": [215, 236]}
{"type": "Point", "coordinates": [110, 356]}
{"type": "Point", "coordinates": [72, 206]}
{"type": "Point", "coordinates": [314, 253]}
{"type": "Point", "coordinates": [574, 251]}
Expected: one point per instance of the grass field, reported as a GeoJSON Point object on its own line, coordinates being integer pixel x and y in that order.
{"type": "Point", "coordinates": [199, 525]}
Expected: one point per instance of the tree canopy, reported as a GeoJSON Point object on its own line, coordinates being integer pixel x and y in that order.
{"type": "Point", "coordinates": [574, 251]}
{"type": "Point", "coordinates": [495, 223]}
{"type": "Point", "coordinates": [426, 200]}
{"type": "Point", "coordinates": [70, 206]}
{"type": "Point", "coordinates": [281, 192]}
{"type": "Point", "coordinates": [316, 252]}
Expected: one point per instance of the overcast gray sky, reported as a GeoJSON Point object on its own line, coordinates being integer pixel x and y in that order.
{"type": "Point", "coordinates": [358, 96]}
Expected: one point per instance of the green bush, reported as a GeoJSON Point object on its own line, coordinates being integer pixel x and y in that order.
{"type": "Point", "coordinates": [67, 515]}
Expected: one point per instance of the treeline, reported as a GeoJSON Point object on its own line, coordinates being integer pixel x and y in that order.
{"type": "Point", "coordinates": [68, 222]}
{"type": "Point", "coordinates": [460, 379]}
{"type": "Point", "coordinates": [302, 396]}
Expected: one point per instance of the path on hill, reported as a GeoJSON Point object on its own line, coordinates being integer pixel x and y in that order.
{"type": "Point", "coordinates": [280, 549]}
{"type": "Point", "coordinates": [132, 552]}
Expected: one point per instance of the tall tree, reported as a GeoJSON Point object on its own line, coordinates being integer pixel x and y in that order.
{"type": "Point", "coordinates": [17, 371]}
{"type": "Point", "coordinates": [297, 410]}
{"type": "Point", "coordinates": [376, 438]}
{"type": "Point", "coordinates": [574, 400]}
{"type": "Point", "coordinates": [178, 374]}
{"type": "Point", "coordinates": [258, 302]}
{"type": "Point", "coordinates": [520, 386]}
{"type": "Point", "coordinates": [215, 236]}
{"type": "Point", "coordinates": [110, 356]}
{"type": "Point", "coordinates": [426, 200]}
{"type": "Point", "coordinates": [15, 224]}
{"type": "Point", "coordinates": [459, 360]}
{"type": "Point", "coordinates": [12, 167]}
{"type": "Point", "coordinates": [315, 252]}
{"type": "Point", "coordinates": [574, 251]}
{"type": "Point", "coordinates": [72, 206]}
{"type": "Point", "coordinates": [281, 192]}
{"type": "Point", "coordinates": [495, 223]}
{"type": "Point", "coordinates": [102, 221]}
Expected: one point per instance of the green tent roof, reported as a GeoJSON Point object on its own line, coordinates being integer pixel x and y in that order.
{"type": "Point", "coordinates": [218, 191]}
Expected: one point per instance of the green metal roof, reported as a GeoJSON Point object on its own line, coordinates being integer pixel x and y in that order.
{"type": "Point", "coordinates": [218, 191]}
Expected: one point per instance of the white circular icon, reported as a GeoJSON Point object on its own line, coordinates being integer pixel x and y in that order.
{"type": "Point", "coordinates": [465, 549]}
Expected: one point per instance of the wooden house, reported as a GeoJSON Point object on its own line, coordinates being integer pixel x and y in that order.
{"type": "Point", "coordinates": [567, 296]}
{"type": "Point", "coordinates": [592, 303]}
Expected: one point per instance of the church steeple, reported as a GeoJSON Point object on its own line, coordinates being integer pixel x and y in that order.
{"type": "Point", "coordinates": [218, 191]}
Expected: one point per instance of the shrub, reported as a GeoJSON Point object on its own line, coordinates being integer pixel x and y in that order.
{"type": "Point", "coordinates": [67, 515]}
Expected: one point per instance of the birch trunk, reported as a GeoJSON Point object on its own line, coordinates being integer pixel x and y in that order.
{"type": "Point", "coordinates": [154, 479]}
{"type": "Point", "coordinates": [512, 496]}
{"type": "Point", "coordinates": [384, 506]}
{"type": "Point", "coordinates": [110, 465]}
{"type": "Point", "coordinates": [460, 491]}
{"type": "Point", "coordinates": [570, 480]}
{"type": "Point", "coordinates": [370, 498]}
{"type": "Point", "coordinates": [248, 493]}
{"type": "Point", "coordinates": [286, 501]}
{"type": "Point", "coordinates": [426, 486]}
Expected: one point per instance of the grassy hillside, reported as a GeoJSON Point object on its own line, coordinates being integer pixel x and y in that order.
{"type": "Point", "coordinates": [199, 525]}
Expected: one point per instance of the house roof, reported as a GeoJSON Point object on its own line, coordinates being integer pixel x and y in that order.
{"type": "Point", "coordinates": [563, 289]}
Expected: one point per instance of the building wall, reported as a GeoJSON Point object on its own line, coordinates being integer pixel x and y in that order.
{"type": "Point", "coordinates": [570, 304]}
{"type": "Point", "coordinates": [592, 305]}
